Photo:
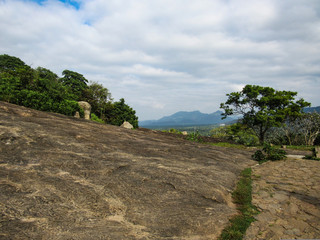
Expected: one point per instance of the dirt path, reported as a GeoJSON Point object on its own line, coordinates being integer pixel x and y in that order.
{"type": "Point", "coordinates": [288, 195]}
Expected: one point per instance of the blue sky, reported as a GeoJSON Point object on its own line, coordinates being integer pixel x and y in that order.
{"type": "Point", "coordinates": [75, 4]}
{"type": "Point", "coordinates": [164, 56]}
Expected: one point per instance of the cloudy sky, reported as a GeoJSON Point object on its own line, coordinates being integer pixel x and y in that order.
{"type": "Point", "coordinates": [164, 56]}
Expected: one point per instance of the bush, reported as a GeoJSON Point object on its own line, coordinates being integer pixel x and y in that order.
{"type": "Point", "coordinates": [67, 107]}
{"type": "Point", "coordinates": [195, 137]}
{"type": "Point", "coordinates": [269, 152]}
{"type": "Point", "coordinates": [238, 133]}
{"type": "Point", "coordinates": [96, 118]}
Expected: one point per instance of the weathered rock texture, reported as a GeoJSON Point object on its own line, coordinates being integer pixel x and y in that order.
{"type": "Point", "coordinates": [126, 125]}
{"type": "Point", "coordinates": [86, 108]}
{"type": "Point", "coordinates": [288, 195]}
{"type": "Point", "coordinates": [67, 178]}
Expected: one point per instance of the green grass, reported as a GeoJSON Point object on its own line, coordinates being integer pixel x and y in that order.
{"type": "Point", "coordinates": [229, 145]}
{"type": "Point", "coordinates": [242, 196]}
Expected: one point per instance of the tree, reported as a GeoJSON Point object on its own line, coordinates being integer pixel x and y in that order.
{"type": "Point", "coordinates": [76, 82]}
{"type": "Point", "coordinates": [10, 63]}
{"type": "Point", "coordinates": [98, 97]}
{"type": "Point", "coordinates": [263, 107]}
{"type": "Point", "coordinates": [16, 68]}
{"type": "Point", "coordinates": [304, 129]}
{"type": "Point", "coordinates": [121, 112]}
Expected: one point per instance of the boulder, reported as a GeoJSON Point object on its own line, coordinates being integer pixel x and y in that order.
{"type": "Point", "coordinates": [77, 115]}
{"type": "Point", "coordinates": [127, 125]}
{"type": "Point", "coordinates": [86, 108]}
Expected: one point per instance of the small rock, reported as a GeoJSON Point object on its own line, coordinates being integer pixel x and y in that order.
{"type": "Point", "coordinates": [77, 115]}
{"type": "Point", "coordinates": [127, 125]}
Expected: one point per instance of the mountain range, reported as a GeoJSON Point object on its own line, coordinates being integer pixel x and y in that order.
{"type": "Point", "coordinates": [184, 118]}
{"type": "Point", "coordinates": [197, 118]}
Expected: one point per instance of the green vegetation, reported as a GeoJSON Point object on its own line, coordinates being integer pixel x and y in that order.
{"type": "Point", "coordinates": [195, 137]}
{"type": "Point", "coordinates": [96, 119]}
{"type": "Point", "coordinates": [313, 156]}
{"type": "Point", "coordinates": [43, 90]}
{"type": "Point", "coordinates": [263, 108]}
{"type": "Point", "coordinates": [242, 196]}
{"type": "Point", "coordinates": [203, 130]}
{"type": "Point", "coordinates": [269, 152]}
{"type": "Point", "coordinates": [237, 133]}
{"type": "Point", "coordinates": [229, 145]}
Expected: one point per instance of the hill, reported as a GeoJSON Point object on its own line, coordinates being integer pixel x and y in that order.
{"type": "Point", "coordinates": [67, 178]}
{"type": "Point", "coordinates": [184, 118]}
{"type": "Point", "coordinates": [312, 109]}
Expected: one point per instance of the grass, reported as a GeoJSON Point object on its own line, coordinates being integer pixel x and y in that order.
{"type": "Point", "coordinates": [229, 145]}
{"type": "Point", "coordinates": [242, 196]}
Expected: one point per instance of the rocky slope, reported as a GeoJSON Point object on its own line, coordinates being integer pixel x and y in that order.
{"type": "Point", "coordinates": [287, 193]}
{"type": "Point", "coordinates": [67, 178]}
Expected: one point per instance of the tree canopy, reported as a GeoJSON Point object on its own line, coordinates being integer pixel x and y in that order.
{"type": "Point", "coordinates": [43, 90]}
{"type": "Point", "coordinates": [263, 107]}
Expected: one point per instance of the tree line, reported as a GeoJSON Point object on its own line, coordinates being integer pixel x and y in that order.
{"type": "Point", "coordinates": [43, 90]}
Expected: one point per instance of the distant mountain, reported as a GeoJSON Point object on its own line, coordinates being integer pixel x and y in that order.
{"type": "Point", "coordinates": [197, 118]}
{"type": "Point", "coordinates": [183, 118]}
{"type": "Point", "coordinates": [312, 109]}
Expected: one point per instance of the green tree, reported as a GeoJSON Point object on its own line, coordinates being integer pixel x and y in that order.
{"type": "Point", "coordinates": [76, 83]}
{"type": "Point", "coordinates": [98, 97]}
{"type": "Point", "coordinates": [9, 86]}
{"type": "Point", "coordinates": [10, 63]}
{"type": "Point", "coordinates": [263, 107]}
{"type": "Point", "coordinates": [121, 112]}
{"type": "Point", "coordinates": [16, 68]}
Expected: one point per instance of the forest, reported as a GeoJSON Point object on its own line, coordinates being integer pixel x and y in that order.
{"type": "Point", "coordinates": [44, 90]}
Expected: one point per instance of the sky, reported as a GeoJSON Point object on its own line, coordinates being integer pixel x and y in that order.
{"type": "Point", "coordinates": [165, 56]}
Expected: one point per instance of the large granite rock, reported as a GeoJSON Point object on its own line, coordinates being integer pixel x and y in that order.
{"type": "Point", "coordinates": [67, 178]}
{"type": "Point", "coordinates": [86, 108]}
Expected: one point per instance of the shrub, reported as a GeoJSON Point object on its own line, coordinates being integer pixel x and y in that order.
{"type": "Point", "coordinates": [96, 118]}
{"type": "Point", "coordinates": [269, 152]}
{"type": "Point", "coordinates": [195, 137]}
{"type": "Point", "coordinates": [238, 133]}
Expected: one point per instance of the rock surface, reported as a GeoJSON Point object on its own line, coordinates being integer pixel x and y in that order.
{"type": "Point", "coordinates": [86, 107]}
{"type": "Point", "coordinates": [127, 125]}
{"type": "Point", "coordinates": [67, 178]}
{"type": "Point", "coordinates": [288, 194]}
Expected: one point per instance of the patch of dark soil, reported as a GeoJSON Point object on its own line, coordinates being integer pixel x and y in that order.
{"type": "Point", "coordinates": [67, 178]}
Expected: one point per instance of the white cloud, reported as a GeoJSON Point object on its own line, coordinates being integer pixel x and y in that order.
{"type": "Point", "coordinates": [165, 56]}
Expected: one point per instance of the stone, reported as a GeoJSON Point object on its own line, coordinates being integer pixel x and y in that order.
{"type": "Point", "coordinates": [61, 178]}
{"type": "Point", "coordinates": [127, 125]}
{"type": "Point", "coordinates": [317, 151]}
{"type": "Point", "coordinates": [184, 133]}
{"type": "Point", "coordinates": [86, 108]}
{"type": "Point", "coordinates": [77, 115]}
{"type": "Point", "coordinates": [292, 208]}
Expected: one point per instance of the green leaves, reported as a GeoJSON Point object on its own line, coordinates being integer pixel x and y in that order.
{"type": "Point", "coordinates": [43, 90]}
{"type": "Point", "coordinates": [75, 82]}
{"type": "Point", "coordinates": [262, 107]}
{"type": "Point", "coordinates": [121, 112]}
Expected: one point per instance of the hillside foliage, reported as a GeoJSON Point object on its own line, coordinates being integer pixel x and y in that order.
{"type": "Point", "coordinates": [43, 90]}
{"type": "Point", "coordinates": [263, 108]}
